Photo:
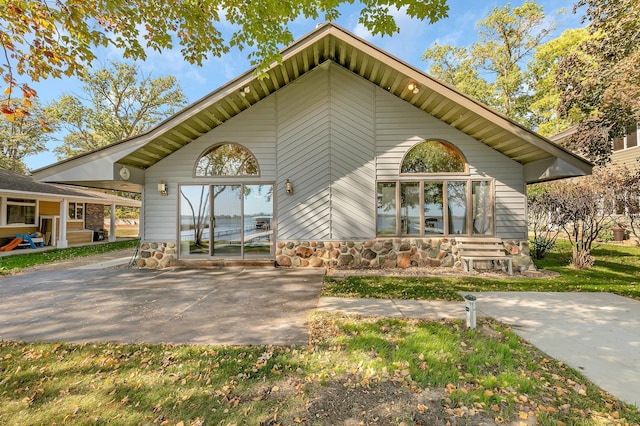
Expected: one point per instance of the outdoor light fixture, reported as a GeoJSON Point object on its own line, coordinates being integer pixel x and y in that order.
{"type": "Point", "coordinates": [413, 87]}
{"type": "Point", "coordinates": [245, 91]}
{"type": "Point", "coordinates": [162, 188]}
{"type": "Point", "coordinates": [288, 187]}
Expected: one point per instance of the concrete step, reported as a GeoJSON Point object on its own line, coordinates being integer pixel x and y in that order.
{"type": "Point", "coordinates": [220, 263]}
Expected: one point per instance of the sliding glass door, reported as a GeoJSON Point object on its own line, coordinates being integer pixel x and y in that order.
{"type": "Point", "coordinates": [226, 221]}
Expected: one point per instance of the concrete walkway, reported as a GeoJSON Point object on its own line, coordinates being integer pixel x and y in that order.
{"type": "Point", "coordinates": [597, 334]}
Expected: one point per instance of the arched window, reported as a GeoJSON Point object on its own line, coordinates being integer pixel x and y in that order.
{"type": "Point", "coordinates": [435, 195]}
{"type": "Point", "coordinates": [433, 156]}
{"type": "Point", "coordinates": [227, 160]}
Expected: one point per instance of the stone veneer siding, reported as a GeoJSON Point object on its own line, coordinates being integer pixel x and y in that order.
{"type": "Point", "coordinates": [387, 253]}
{"type": "Point", "coordinates": [156, 255]}
{"type": "Point", "coordinates": [93, 216]}
{"type": "Point", "coordinates": [379, 253]}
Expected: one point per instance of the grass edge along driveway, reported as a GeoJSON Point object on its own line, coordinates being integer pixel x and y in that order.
{"type": "Point", "coordinates": [616, 270]}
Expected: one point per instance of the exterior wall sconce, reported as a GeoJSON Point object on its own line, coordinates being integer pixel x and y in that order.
{"type": "Point", "coordinates": [162, 188]}
{"type": "Point", "coordinates": [288, 187]}
{"type": "Point", "coordinates": [413, 87]}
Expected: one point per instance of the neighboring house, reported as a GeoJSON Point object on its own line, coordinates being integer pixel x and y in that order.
{"type": "Point", "coordinates": [626, 154]}
{"type": "Point", "coordinates": [625, 150]}
{"type": "Point", "coordinates": [62, 214]}
{"type": "Point", "coordinates": [342, 155]}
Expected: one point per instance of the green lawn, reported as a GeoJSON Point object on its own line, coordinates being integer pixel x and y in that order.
{"type": "Point", "coordinates": [379, 371]}
{"type": "Point", "coordinates": [616, 270]}
{"type": "Point", "coordinates": [15, 262]}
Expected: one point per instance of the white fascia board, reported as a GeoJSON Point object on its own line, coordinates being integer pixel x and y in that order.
{"type": "Point", "coordinates": [552, 169]}
{"type": "Point", "coordinates": [95, 166]}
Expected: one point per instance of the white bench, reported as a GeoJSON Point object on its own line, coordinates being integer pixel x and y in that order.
{"type": "Point", "coordinates": [483, 249]}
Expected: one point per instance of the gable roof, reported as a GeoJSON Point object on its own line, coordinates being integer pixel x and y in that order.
{"type": "Point", "coordinates": [330, 42]}
{"type": "Point", "coordinates": [12, 183]}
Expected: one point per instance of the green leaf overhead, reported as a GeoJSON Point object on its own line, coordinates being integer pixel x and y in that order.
{"type": "Point", "coordinates": [42, 39]}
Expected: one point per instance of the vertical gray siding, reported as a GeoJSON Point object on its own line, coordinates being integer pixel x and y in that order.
{"type": "Point", "coordinates": [326, 147]}
{"type": "Point", "coordinates": [304, 158]}
{"type": "Point", "coordinates": [353, 214]}
{"type": "Point", "coordinates": [332, 134]}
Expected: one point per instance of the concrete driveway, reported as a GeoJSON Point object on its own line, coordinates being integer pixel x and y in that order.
{"type": "Point", "coordinates": [595, 333]}
{"type": "Point", "coordinates": [197, 306]}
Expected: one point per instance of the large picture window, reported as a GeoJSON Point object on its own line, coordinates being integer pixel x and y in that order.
{"type": "Point", "coordinates": [446, 207]}
{"type": "Point", "coordinates": [21, 211]}
{"type": "Point", "coordinates": [435, 196]}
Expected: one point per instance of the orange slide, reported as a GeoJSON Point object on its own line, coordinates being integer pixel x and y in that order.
{"type": "Point", "coordinates": [13, 244]}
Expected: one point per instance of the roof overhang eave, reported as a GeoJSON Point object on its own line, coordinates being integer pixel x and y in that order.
{"type": "Point", "coordinates": [554, 169]}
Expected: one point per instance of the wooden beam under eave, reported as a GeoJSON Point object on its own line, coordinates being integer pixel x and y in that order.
{"type": "Point", "coordinates": [374, 72]}
{"type": "Point", "coordinates": [518, 149]}
{"type": "Point", "coordinates": [362, 70]}
{"type": "Point", "coordinates": [171, 142]}
{"type": "Point", "coordinates": [305, 61]}
{"type": "Point", "coordinates": [153, 155]}
{"type": "Point", "coordinates": [294, 66]}
{"type": "Point", "coordinates": [244, 100]}
{"type": "Point", "coordinates": [285, 75]}
{"type": "Point", "coordinates": [190, 128]}
{"type": "Point", "coordinates": [181, 135]}
{"type": "Point", "coordinates": [158, 145]}
{"type": "Point", "coordinates": [343, 54]}
{"type": "Point", "coordinates": [232, 103]}
{"type": "Point", "coordinates": [222, 111]}
{"type": "Point", "coordinates": [316, 55]}
{"type": "Point", "coordinates": [396, 84]}
{"type": "Point", "coordinates": [470, 123]}
{"type": "Point", "coordinates": [274, 79]}
{"type": "Point", "coordinates": [449, 115]}
{"type": "Point", "coordinates": [326, 49]}
{"type": "Point", "coordinates": [353, 60]}
{"type": "Point", "coordinates": [134, 160]}
{"type": "Point", "coordinates": [529, 157]}
{"type": "Point", "coordinates": [501, 134]}
{"type": "Point", "coordinates": [426, 104]}
{"type": "Point", "coordinates": [213, 117]}
{"type": "Point", "coordinates": [206, 126]}
{"type": "Point", "coordinates": [385, 76]}
{"type": "Point", "coordinates": [265, 88]}
{"type": "Point", "coordinates": [443, 105]}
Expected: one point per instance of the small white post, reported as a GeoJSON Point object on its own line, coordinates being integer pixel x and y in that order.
{"type": "Point", "coordinates": [470, 307]}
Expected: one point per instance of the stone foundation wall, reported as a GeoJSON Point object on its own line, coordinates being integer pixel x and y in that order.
{"type": "Point", "coordinates": [387, 253]}
{"type": "Point", "coordinates": [380, 253]}
{"type": "Point", "coordinates": [156, 255]}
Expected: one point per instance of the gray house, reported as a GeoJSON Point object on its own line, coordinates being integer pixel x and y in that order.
{"type": "Point", "coordinates": [343, 155]}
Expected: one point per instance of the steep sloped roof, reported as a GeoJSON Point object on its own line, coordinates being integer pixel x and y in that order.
{"type": "Point", "coordinates": [330, 42]}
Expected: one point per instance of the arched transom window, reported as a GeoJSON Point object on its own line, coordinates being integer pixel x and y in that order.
{"type": "Point", "coordinates": [435, 195]}
{"type": "Point", "coordinates": [433, 156]}
{"type": "Point", "coordinates": [227, 160]}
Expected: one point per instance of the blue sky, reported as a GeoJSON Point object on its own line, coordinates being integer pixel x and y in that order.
{"type": "Point", "coordinates": [409, 45]}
